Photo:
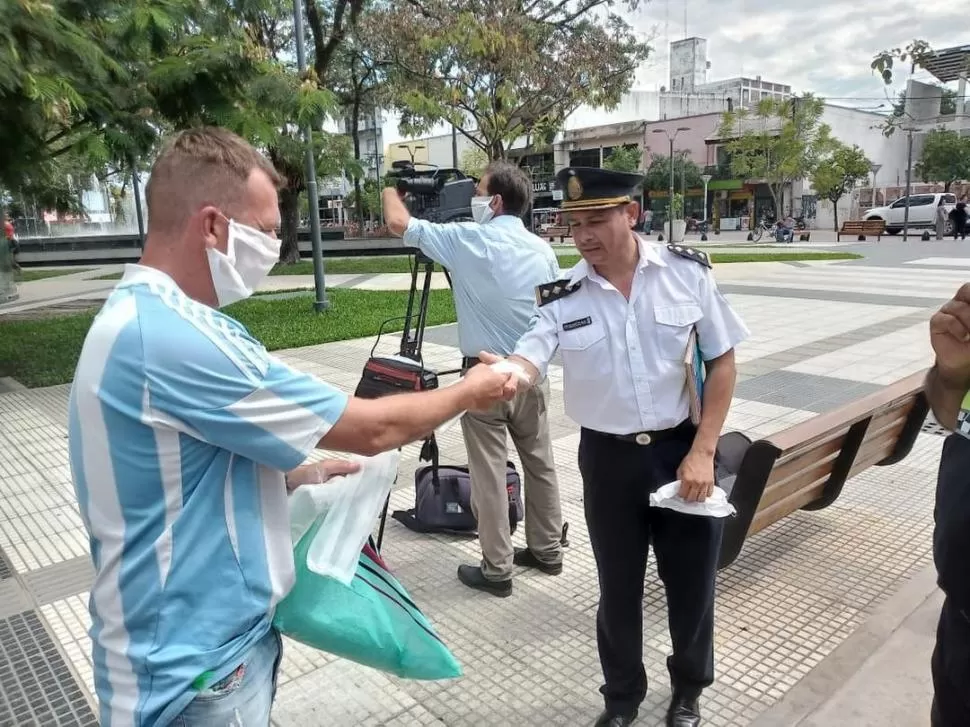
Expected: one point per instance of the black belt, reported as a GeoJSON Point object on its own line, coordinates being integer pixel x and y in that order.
{"type": "Point", "coordinates": [682, 430]}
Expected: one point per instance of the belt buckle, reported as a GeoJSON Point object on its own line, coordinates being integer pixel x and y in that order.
{"type": "Point", "coordinates": [643, 439]}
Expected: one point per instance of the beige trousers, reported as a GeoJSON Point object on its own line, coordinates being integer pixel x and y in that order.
{"type": "Point", "coordinates": [524, 418]}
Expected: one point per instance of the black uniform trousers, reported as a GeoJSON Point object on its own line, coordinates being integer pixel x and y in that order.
{"type": "Point", "coordinates": [951, 548]}
{"type": "Point", "coordinates": [951, 668]}
{"type": "Point", "coordinates": [618, 477]}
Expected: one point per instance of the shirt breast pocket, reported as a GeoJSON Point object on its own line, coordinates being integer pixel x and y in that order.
{"type": "Point", "coordinates": [582, 339]}
{"type": "Point", "coordinates": [674, 324]}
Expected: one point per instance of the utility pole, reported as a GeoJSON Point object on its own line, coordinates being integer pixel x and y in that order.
{"type": "Point", "coordinates": [454, 146]}
{"type": "Point", "coordinates": [378, 148]}
{"type": "Point", "coordinates": [319, 282]}
{"type": "Point", "coordinates": [139, 215]}
{"type": "Point", "coordinates": [909, 180]}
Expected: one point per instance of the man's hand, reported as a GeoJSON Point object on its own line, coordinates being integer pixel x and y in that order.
{"type": "Point", "coordinates": [511, 387]}
{"type": "Point", "coordinates": [317, 473]}
{"type": "Point", "coordinates": [482, 387]}
{"type": "Point", "coordinates": [950, 337]}
{"type": "Point", "coordinates": [696, 475]}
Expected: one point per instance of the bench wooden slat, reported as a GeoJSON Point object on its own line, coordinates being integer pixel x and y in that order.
{"type": "Point", "coordinates": [816, 472]}
{"type": "Point", "coordinates": [786, 465]}
{"type": "Point", "coordinates": [795, 501]}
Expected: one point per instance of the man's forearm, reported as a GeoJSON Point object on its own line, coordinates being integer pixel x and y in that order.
{"type": "Point", "coordinates": [371, 426]}
{"type": "Point", "coordinates": [945, 396]}
{"type": "Point", "coordinates": [718, 390]}
{"type": "Point", "coordinates": [396, 215]}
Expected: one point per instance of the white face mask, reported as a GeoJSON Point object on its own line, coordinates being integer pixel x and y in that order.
{"type": "Point", "coordinates": [250, 255]}
{"type": "Point", "coordinates": [481, 212]}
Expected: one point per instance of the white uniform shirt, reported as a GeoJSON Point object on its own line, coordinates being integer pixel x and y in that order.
{"type": "Point", "coordinates": [623, 361]}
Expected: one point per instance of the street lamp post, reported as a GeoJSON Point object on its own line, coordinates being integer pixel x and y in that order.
{"type": "Point", "coordinates": [909, 179]}
{"type": "Point", "coordinates": [670, 198]}
{"type": "Point", "coordinates": [706, 178]}
{"type": "Point", "coordinates": [319, 281]}
{"type": "Point", "coordinates": [874, 168]}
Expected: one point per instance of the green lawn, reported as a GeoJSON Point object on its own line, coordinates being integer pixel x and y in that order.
{"type": "Point", "coordinates": [26, 275]}
{"type": "Point", "coordinates": [401, 263]}
{"type": "Point", "coordinates": [44, 352]}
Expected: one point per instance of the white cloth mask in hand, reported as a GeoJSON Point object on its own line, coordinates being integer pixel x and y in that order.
{"type": "Point", "coordinates": [716, 505]}
{"type": "Point", "coordinates": [481, 212]}
{"type": "Point", "coordinates": [249, 257]}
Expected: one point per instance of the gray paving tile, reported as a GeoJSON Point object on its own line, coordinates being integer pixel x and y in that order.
{"type": "Point", "coordinates": [803, 391]}
{"type": "Point", "coordinates": [36, 685]}
{"type": "Point", "coordinates": [60, 580]}
{"type": "Point", "coordinates": [836, 295]}
{"type": "Point", "coordinates": [6, 570]}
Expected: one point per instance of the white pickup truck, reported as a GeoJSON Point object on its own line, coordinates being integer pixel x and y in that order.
{"type": "Point", "coordinates": [922, 211]}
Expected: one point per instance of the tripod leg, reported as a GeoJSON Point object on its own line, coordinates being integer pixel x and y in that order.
{"type": "Point", "coordinates": [380, 530]}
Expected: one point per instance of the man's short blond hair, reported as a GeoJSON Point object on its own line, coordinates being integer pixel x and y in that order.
{"type": "Point", "coordinates": [199, 167]}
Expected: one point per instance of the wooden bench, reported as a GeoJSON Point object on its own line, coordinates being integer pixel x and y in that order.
{"type": "Point", "coordinates": [806, 466]}
{"type": "Point", "coordinates": [862, 228]}
{"type": "Point", "coordinates": [562, 232]}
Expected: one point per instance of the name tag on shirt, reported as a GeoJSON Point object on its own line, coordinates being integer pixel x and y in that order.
{"type": "Point", "coordinates": [578, 323]}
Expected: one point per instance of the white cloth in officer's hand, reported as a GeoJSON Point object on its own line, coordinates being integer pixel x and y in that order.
{"type": "Point", "coordinates": [716, 505]}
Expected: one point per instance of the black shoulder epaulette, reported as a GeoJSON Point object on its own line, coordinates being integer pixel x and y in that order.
{"type": "Point", "coordinates": [698, 256]}
{"type": "Point", "coordinates": [548, 292]}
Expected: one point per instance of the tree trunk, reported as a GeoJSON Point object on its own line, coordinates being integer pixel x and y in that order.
{"type": "Point", "coordinates": [835, 212]}
{"type": "Point", "coordinates": [777, 199]}
{"type": "Point", "coordinates": [946, 186]}
{"type": "Point", "coordinates": [355, 135]}
{"type": "Point", "coordinates": [496, 150]}
{"type": "Point", "coordinates": [290, 216]}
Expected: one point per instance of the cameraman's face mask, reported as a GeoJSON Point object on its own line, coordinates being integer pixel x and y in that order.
{"type": "Point", "coordinates": [482, 211]}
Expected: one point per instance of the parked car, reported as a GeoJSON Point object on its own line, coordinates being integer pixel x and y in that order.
{"type": "Point", "coordinates": [922, 211]}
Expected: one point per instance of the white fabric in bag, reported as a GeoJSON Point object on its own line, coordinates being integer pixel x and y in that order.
{"type": "Point", "coordinates": [347, 508]}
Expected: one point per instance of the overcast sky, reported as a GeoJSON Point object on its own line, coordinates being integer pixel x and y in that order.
{"type": "Point", "coordinates": [824, 46]}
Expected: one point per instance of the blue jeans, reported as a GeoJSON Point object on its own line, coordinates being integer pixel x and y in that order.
{"type": "Point", "coordinates": [245, 697]}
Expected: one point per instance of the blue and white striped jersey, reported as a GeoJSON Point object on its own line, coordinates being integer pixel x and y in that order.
{"type": "Point", "coordinates": [181, 429]}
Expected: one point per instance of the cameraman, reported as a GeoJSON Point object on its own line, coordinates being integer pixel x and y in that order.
{"type": "Point", "coordinates": [496, 264]}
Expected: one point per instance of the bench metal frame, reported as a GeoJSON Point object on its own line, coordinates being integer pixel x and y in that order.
{"type": "Point", "coordinates": [852, 424]}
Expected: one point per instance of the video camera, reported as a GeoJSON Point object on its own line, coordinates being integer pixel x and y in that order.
{"type": "Point", "coordinates": [436, 194]}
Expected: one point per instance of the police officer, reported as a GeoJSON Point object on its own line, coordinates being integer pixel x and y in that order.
{"type": "Point", "coordinates": [947, 387]}
{"type": "Point", "coordinates": [495, 265]}
{"type": "Point", "coordinates": [623, 322]}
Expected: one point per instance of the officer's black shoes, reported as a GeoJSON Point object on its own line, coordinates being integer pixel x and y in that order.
{"type": "Point", "coordinates": [472, 576]}
{"type": "Point", "coordinates": [526, 558]}
{"type": "Point", "coordinates": [683, 712]}
{"type": "Point", "coordinates": [609, 719]}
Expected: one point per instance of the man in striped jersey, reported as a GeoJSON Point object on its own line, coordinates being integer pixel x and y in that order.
{"type": "Point", "coordinates": [182, 430]}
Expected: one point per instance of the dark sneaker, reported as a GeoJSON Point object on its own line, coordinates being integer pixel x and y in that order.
{"type": "Point", "coordinates": [472, 576]}
{"type": "Point", "coordinates": [527, 559]}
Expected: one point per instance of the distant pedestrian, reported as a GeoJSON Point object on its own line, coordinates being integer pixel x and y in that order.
{"type": "Point", "coordinates": [942, 215]}
{"type": "Point", "coordinates": [13, 243]}
{"type": "Point", "coordinates": [959, 217]}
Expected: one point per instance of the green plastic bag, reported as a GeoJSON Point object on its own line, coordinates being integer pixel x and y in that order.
{"type": "Point", "coordinates": [372, 621]}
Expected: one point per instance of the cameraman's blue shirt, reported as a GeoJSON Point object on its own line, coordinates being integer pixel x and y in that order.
{"type": "Point", "coordinates": [495, 269]}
